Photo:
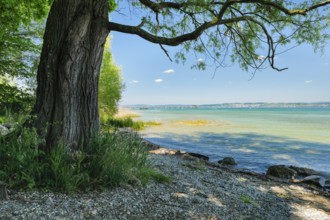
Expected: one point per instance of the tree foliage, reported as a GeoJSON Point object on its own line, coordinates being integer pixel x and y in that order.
{"type": "Point", "coordinates": [19, 33]}
{"type": "Point", "coordinates": [20, 37]}
{"type": "Point", "coordinates": [110, 85]}
{"type": "Point", "coordinates": [13, 99]}
{"type": "Point", "coordinates": [249, 32]}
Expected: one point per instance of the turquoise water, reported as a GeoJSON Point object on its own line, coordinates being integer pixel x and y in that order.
{"type": "Point", "coordinates": [256, 138]}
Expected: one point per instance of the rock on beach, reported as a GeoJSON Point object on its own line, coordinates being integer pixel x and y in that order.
{"type": "Point", "coordinates": [227, 161]}
{"type": "Point", "coordinates": [281, 171]}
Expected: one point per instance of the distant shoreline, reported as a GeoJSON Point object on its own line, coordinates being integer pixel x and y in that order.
{"type": "Point", "coordinates": [230, 105]}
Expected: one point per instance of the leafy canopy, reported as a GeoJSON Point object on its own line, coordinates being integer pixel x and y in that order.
{"type": "Point", "coordinates": [18, 34]}
{"type": "Point", "coordinates": [249, 32]}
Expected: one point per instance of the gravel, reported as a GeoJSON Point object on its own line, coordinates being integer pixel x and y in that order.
{"type": "Point", "coordinates": [198, 191]}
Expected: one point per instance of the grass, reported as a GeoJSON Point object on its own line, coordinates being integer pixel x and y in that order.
{"type": "Point", "coordinates": [129, 122]}
{"type": "Point", "coordinates": [246, 199]}
{"type": "Point", "coordinates": [125, 122]}
{"type": "Point", "coordinates": [10, 117]}
{"type": "Point", "coordinates": [109, 160]}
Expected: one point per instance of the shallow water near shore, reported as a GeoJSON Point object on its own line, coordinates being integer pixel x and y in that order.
{"type": "Point", "coordinates": [256, 138]}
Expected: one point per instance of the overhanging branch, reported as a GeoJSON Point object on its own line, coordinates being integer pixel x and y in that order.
{"type": "Point", "coordinates": [136, 30]}
{"type": "Point", "coordinates": [282, 8]}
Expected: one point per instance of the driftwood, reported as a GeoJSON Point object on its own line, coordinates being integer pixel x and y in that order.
{"type": "Point", "coordinates": [3, 192]}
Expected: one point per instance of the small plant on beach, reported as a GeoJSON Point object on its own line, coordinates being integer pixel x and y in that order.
{"type": "Point", "coordinates": [110, 160]}
{"type": "Point", "coordinates": [246, 199]}
{"type": "Point", "coordinates": [159, 177]}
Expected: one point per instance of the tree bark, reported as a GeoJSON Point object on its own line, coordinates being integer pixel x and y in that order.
{"type": "Point", "coordinates": [66, 109]}
{"type": "Point", "coordinates": [3, 192]}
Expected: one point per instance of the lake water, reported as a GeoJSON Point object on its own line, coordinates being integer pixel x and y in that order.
{"type": "Point", "coordinates": [256, 138]}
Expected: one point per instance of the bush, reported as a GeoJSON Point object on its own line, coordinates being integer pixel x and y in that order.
{"type": "Point", "coordinates": [125, 122]}
{"type": "Point", "coordinates": [20, 166]}
{"type": "Point", "coordinates": [109, 160]}
{"type": "Point", "coordinates": [128, 122]}
{"type": "Point", "coordinates": [14, 100]}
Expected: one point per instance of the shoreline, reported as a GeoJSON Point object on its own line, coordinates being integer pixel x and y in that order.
{"type": "Point", "coordinates": [198, 190]}
{"type": "Point", "coordinates": [244, 166]}
{"type": "Point", "coordinates": [157, 149]}
{"type": "Point", "coordinates": [255, 145]}
{"type": "Point", "coordinates": [245, 162]}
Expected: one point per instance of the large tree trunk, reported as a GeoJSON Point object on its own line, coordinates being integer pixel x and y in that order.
{"type": "Point", "coordinates": [66, 108]}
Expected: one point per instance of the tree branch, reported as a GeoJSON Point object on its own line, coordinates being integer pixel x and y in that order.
{"type": "Point", "coordinates": [282, 8]}
{"type": "Point", "coordinates": [157, 7]}
{"type": "Point", "coordinates": [166, 52]}
{"type": "Point", "coordinates": [112, 26]}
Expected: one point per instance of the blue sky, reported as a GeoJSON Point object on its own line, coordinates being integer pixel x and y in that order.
{"type": "Point", "coordinates": [151, 78]}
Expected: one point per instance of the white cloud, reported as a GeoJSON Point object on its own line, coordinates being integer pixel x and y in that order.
{"type": "Point", "coordinates": [169, 71]}
{"type": "Point", "coordinates": [134, 82]}
{"type": "Point", "coordinates": [308, 81]}
{"type": "Point", "coordinates": [261, 57]}
{"type": "Point", "coordinates": [199, 60]}
{"type": "Point", "coordinates": [158, 80]}
{"type": "Point", "coordinates": [326, 63]}
{"type": "Point", "coordinates": [195, 79]}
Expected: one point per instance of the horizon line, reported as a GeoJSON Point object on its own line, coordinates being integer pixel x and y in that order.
{"type": "Point", "coordinates": [323, 102]}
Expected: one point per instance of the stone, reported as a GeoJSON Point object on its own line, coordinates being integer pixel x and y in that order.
{"type": "Point", "coordinates": [303, 171]}
{"type": "Point", "coordinates": [315, 180]}
{"type": "Point", "coordinates": [3, 130]}
{"type": "Point", "coordinates": [327, 183]}
{"type": "Point", "coordinates": [227, 161]}
{"type": "Point", "coordinates": [281, 171]}
{"type": "Point", "coordinates": [150, 145]}
{"type": "Point", "coordinates": [199, 156]}
{"type": "Point", "coordinates": [164, 151]}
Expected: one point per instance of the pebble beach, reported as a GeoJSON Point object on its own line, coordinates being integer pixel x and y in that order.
{"type": "Point", "coordinates": [198, 190]}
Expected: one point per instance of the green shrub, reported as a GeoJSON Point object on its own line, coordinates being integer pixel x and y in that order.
{"type": "Point", "coordinates": [129, 122]}
{"type": "Point", "coordinates": [14, 99]}
{"type": "Point", "coordinates": [19, 157]}
{"type": "Point", "coordinates": [125, 122]}
{"type": "Point", "coordinates": [109, 160]}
